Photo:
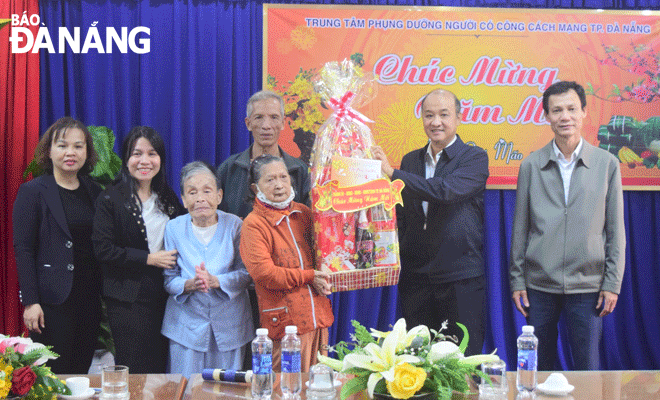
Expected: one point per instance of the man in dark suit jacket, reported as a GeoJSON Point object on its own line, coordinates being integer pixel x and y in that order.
{"type": "Point", "coordinates": [441, 224]}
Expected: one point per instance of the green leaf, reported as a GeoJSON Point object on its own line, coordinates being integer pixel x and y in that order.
{"type": "Point", "coordinates": [353, 386]}
{"type": "Point", "coordinates": [362, 335]}
{"type": "Point", "coordinates": [357, 371]}
{"type": "Point", "coordinates": [109, 163]}
{"type": "Point", "coordinates": [341, 349]}
{"type": "Point", "coordinates": [31, 356]}
{"type": "Point", "coordinates": [451, 374]}
{"type": "Point", "coordinates": [358, 59]}
{"type": "Point", "coordinates": [381, 387]}
{"type": "Point", "coordinates": [466, 337]}
{"type": "Point", "coordinates": [444, 393]}
{"type": "Point", "coordinates": [32, 168]}
{"type": "Point", "coordinates": [590, 88]}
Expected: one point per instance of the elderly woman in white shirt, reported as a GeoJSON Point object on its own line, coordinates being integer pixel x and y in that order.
{"type": "Point", "coordinates": [207, 318]}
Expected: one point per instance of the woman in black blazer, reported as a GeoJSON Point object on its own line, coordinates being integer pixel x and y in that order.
{"type": "Point", "coordinates": [59, 277]}
{"type": "Point", "coordinates": [129, 227]}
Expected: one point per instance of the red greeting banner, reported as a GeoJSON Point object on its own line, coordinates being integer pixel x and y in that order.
{"type": "Point", "coordinates": [359, 197]}
{"type": "Point", "coordinates": [497, 61]}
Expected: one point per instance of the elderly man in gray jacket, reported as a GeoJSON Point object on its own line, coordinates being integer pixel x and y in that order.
{"type": "Point", "coordinates": [265, 121]}
{"type": "Point", "coordinates": [568, 240]}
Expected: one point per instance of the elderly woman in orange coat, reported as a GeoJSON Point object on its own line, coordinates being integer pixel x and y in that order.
{"type": "Point", "coordinates": [277, 250]}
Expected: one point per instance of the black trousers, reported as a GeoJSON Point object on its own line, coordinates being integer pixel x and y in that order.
{"type": "Point", "coordinates": [72, 328]}
{"type": "Point", "coordinates": [424, 303]}
{"type": "Point", "coordinates": [135, 329]}
{"type": "Point", "coordinates": [254, 307]}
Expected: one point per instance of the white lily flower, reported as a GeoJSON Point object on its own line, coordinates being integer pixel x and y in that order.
{"type": "Point", "coordinates": [381, 360]}
{"type": "Point", "coordinates": [421, 331]}
{"type": "Point", "coordinates": [375, 333]}
{"type": "Point", "coordinates": [330, 362]}
{"type": "Point", "coordinates": [479, 359]}
{"type": "Point", "coordinates": [444, 349]}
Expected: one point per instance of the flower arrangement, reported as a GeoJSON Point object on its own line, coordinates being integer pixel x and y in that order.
{"type": "Point", "coordinates": [23, 371]}
{"type": "Point", "coordinates": [403, 363]}
{"type": "Point", "coordinates": [302, 109]}
{"type": "Point", "coordinates": [643, 61]}
{"type": "Point", "coordinates": [303, 106]}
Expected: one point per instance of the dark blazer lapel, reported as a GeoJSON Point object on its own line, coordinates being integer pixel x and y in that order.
{"type": "Point", "coordinates": [420, 169]}
{"type": "Point", "coordinates": [133, 210]}
{"type": "Point", "coordinates": [54, 202]}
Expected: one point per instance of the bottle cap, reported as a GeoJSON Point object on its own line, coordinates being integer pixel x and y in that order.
{"type": "Point", "coordinates": [528, 329]}
{"type": "Point", "coordinates": [291, 329]}
{"type": "Point", "coordinates": [262, 332]}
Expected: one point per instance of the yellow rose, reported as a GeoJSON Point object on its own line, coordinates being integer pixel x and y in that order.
{"type": "Point", "coordinates": [408, 379]}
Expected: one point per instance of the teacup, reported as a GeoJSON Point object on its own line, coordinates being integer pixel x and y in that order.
{"type": "Point", "coordinates": [78, 385]}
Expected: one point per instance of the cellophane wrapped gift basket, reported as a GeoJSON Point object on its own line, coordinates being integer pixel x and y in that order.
{"type": "Point", "coordinates": [352, 201]}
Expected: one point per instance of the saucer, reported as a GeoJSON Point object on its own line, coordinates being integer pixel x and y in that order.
{"type": "Point", "coordinates": [89, 393]}
{"type": "Point", "coordinates": [555, 391]}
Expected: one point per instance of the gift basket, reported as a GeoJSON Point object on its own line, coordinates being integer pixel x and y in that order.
{"type": "Point", "coordinates": [352, 201]}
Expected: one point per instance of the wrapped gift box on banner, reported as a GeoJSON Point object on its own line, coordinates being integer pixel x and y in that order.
{"type": "Point", "coordinates": [353, 204]}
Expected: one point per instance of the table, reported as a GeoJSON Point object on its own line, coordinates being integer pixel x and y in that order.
{"type": "Point", "coordinates": [589, 385]}
{"type": "Point", "coordinates": [199, 389]}
{"type": "Point", "coordinates": [603, 385]}
{"type": "Point", "coordinates": [147, 386]}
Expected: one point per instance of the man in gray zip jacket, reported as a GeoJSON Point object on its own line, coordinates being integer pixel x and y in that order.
{"type": "Point", "coordinates": [568, 240]}
{"type": "Point", "coordinates": [265, 121]}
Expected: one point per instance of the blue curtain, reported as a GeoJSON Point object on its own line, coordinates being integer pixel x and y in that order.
{"type": "Point", "coordinates": [205, 61]}
{"type": "Point", "coordinates": [192, 87]}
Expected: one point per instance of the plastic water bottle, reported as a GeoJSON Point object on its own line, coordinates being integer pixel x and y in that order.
{"type": "Point", "coordinates": [291, 380]}
{"type": "Point", "coordinates": [527, 360]}
{"type": "Point", "coordinates": [262, 365]}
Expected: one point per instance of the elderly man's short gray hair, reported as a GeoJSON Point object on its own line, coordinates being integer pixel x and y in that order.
{"type": "Point", "coordinates": [195, 168]}
{"type": "Point", "coordinates": [264, 95]}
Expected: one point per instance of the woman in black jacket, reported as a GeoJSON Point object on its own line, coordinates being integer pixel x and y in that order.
{"type": "Point", "coordinates": [59, 277]}
{"type": "Point", "coordinates": [129, 227]}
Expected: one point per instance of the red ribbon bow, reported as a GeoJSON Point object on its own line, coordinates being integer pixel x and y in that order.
{"type": "Point", "coordinates": [343, 110]}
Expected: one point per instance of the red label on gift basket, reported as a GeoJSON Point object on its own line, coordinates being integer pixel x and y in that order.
{"type": "Point", "coordinates": [359, 197]}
